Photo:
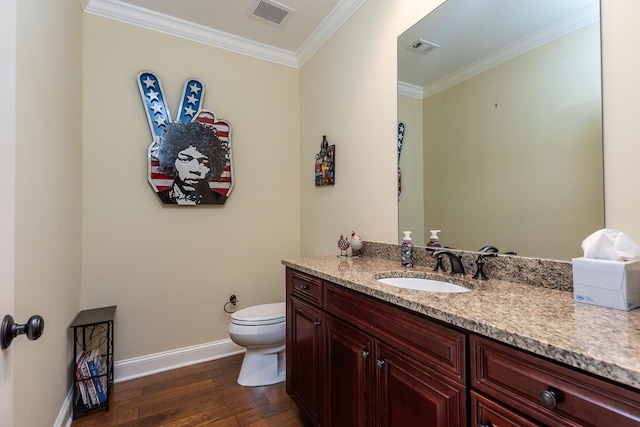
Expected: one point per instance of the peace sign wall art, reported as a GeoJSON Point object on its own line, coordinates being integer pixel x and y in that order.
{"type": "Point", "coordinates": [189, 159]}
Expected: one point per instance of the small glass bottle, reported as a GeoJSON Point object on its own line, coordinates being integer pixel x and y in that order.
{"type": "Point", "coordinates": [406, 250]}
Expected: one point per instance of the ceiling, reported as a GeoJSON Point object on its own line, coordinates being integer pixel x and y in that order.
{"type": "Point", "coordinates": [225, 24]}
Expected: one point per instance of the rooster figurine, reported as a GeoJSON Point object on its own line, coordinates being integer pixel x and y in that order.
{"type": "Point", "coordinates": [343, 244]}
{"type": "Point", "coordinates": [356, 244]}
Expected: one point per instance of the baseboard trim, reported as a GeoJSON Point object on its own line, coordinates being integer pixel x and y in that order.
{"type": "Point", "coordinates": [65, 415]}
{"type": "Point", "coordinates": [137, 367]}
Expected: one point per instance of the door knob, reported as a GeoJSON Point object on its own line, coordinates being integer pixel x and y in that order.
{"type": "Point", "coordinates": [9, 329]}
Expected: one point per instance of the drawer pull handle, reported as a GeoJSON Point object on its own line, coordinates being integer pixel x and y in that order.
{"type": "Point", "coordinates": [548, 399]}
{"type": "Point", "coordinates": [304, 287]}
{"type": "Point", "coordinates": [379, 363]}
{"type": "Point", "coordinates": [316, 323]}
{"type": "Point", "coordinates": [365, 354]}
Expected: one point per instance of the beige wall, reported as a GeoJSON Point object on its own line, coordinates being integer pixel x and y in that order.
{"type": "Point", "coordinates": [171, 269]}
{"type": "Point", "coordinates": [514, 154]}
{"type": "Point", "coordinates": [410, 205]}
{"type": "Point", "coordinates": [349, 93]}
{"type": "Point", "coordinates": [48, 201]}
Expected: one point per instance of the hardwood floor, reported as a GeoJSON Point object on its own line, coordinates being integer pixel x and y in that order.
{"type": "Point", "coordinates": [206, 394]}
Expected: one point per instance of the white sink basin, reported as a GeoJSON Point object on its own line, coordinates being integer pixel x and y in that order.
{"type": "Point", "coordinates": [427, 285]}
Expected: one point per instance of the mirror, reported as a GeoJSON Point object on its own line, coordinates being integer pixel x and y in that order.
{"type": "Point", "coordinates": [502, 110]}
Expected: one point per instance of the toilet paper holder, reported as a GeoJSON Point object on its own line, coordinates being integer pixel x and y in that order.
{"type": "Point", "coordinates": [233, 301]}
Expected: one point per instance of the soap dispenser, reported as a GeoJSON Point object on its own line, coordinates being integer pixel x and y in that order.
{"type": "Point", "coordinates": [406, 250]}
{"type": "Point", "coordinates": [433, 240]}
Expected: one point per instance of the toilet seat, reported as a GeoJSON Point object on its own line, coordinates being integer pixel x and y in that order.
{"type": "Point", "coordinates": [263, 314]}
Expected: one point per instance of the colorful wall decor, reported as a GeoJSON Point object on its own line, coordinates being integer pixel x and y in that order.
{"type": "Point", "coordinates": [189, 160]}
{"type": "Point", "coordinates": [401, 129]}
{"type": "Point", "coordinates": [325, 164]}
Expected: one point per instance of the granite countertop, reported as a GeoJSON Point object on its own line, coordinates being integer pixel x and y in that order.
{"type": "Point", "coordinates": [547, 322]}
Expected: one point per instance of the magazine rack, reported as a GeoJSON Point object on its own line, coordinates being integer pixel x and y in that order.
{"type": "Point", "coordinates": [92, 359]}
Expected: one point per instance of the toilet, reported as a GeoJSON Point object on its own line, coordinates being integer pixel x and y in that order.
{"type": "Point", "coordinates": [261, 329]}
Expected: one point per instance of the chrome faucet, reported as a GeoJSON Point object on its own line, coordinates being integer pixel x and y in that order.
{"type": "Point", "coordinates": [456, 263]}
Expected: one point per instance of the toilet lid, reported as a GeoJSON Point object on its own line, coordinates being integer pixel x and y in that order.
{"type": "Point", "coordinates": [263, 314]}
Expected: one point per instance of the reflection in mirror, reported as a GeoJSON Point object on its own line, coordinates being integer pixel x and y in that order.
{"type": "Point", "coordinates": [503, 118]}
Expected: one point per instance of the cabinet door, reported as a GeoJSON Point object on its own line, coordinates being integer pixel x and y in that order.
{"type": "Point", "coordinates": [548, 392]}
{"type": "Point", "coordinates": [487, 413]}
{"type": "Point", "coordinates": [348, 371]}
{"type": "Point", "coordinates": [304, 351]}
{"type": "Point", "coordinates": [410, 394]}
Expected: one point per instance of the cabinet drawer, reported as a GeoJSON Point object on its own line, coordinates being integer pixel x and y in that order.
{"type": "Point", "coordinates": [523, 382]}
{"type": "Point", "coordinates": [304, 286]}
{"type": "Point", "coordinates": [487, 413]}
{"type": "Point", "coordinates": [434, 345]}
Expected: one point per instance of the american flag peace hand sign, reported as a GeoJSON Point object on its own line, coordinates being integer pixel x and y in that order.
{"type": "Point", "coordinates": [189, 160]}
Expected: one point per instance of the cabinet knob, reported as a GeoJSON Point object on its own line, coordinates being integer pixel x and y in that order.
{"type": "Point", "coordinates": [364, 354]}
{"type": "Point", "coordinates": [379, 363]}
{"type": "Point", "coordinates": [483, 425]}
{"type": "Point", "coordinates": [316, 323]}
{"type": "Point", "coordinates": [548, 398]}
{"type": "Point", "coordinates": [304, 287]}
{"type": "Point", "coordinates": [9, 329]}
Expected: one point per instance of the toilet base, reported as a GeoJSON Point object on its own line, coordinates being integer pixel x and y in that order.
{"type": "Point", "coordinates": [262, 366]}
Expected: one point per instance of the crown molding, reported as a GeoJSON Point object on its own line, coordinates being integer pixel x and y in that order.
{"type": "Point", "coordinates": [332, 23]}
{"type": "Point", "coordinates": [407, 89]}
{"type": "Point", "coordinates": [565, 26]}
{"type": "Point", "coordinates": [144, 18]}
{"type": "Point", "coordinates": [134, 15]}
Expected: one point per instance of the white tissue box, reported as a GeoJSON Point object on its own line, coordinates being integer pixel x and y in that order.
{"type": "Point", "coordinates": [613, 284]}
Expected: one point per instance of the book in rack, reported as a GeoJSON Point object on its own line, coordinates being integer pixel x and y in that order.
{"type": "Point", "coordinates": [94, 359]}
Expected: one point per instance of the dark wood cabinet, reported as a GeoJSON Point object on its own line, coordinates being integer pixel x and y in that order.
{"type": "Point", "coordinates": [355, 360]}
{"type": "Point", "coordinates": [411, 394]}
{"type": "Point", "coordinates": [548, 392]}
{"type": "Point", "coordinates": [348, 375]}
{"type": "Point", "coordinates": [488, 413]}
{"type": "Point", "coordinates": [304, 352]}
{"type": "Point", "coordinates": [433, 344]}
{"type": "Point", "coordinates": [374, 364]}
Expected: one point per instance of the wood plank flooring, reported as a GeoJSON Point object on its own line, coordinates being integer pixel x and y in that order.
{"type": "Point", "coordinates": [205, 394]}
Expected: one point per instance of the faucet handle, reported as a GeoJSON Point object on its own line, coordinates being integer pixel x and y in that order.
{"type": "Point", "coordinates": [480, 274]}
{"type": "Point", "coordinates": [439, 267]}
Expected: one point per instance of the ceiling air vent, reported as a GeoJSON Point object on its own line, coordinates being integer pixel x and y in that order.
{"type": "Point", "coordinates": [270, 11]}
{"type": "Point", "coordinates": [422, 46]}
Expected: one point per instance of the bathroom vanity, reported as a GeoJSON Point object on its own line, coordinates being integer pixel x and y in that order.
{"type": "Point", "coordinates": [361, 353]}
